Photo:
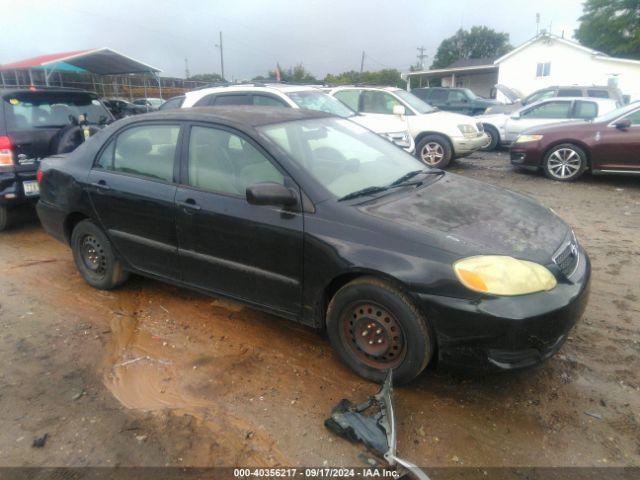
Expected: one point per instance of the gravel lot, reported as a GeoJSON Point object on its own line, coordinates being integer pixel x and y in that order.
{"type": "Point", "coordinates": [155, 375]}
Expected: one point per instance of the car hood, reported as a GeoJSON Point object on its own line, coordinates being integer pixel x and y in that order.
{"type": "Point", "coordinates": [467, 217]}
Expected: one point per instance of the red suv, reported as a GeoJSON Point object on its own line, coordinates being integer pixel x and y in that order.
{"type": "Point", "coordinates": [606, 144]}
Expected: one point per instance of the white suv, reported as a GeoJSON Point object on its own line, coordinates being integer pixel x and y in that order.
{"type": "Point", "coordinates": [439, 136]}
{"type": "Point", "coordinates": [393, 128]}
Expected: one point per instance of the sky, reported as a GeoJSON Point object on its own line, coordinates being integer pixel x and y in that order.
{"type": "Point", "coordinates": [326, 36]}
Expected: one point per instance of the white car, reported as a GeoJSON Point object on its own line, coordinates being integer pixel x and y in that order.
{"type": "Point", "coordinates": [504, 128]}
{"type": "Point", "coordinates": [393, 128]}
{"type": "Point", "coordinates": [439, 136]}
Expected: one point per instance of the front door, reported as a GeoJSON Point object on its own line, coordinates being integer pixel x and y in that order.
{"type": "Point", "coordinates": [228, 246]}
{"type": "Point", "coordinates": [132, 190]}
{"type": "Point", "coordinates": [542, 114]}
{"type": "Point", "coordinates": [619, 148]}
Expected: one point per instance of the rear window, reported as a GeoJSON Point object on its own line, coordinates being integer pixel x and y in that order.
{"type": "Point", "coordinates": [26, 110]}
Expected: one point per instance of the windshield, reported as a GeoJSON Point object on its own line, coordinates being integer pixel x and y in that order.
{"type": "Point", "coordinates": [414, 102]}
{"type": "Point", "coordinates": [618, 112]}
{"type": "Point", "coordinates": [342, 156]}
{"type": "Point", "coordinates": [26, 110]}
{"type": "Point", "coordinates": [322, 102]}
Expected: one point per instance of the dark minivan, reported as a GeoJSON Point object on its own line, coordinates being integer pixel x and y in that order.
{"type": "Point", "coordinates": [34, 124]}
{"type": "Point", "coordinates": [319, 220]}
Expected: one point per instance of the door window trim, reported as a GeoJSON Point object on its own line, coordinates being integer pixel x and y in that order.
{"type": "Point", "coordinates": [114, 137]}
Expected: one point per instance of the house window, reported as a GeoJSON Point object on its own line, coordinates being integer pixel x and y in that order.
{"type": "Point", "coordinates": [543, 69]}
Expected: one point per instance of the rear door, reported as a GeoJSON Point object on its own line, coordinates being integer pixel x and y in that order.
{"type": "Point", "coordinates": [228, 246]}
{"type": "Point", "coordinates": [132, 188]}
{"type": "Point", "coordinates": [551, 111]}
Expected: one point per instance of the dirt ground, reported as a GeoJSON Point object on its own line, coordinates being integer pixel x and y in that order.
{"type": "Point", "coordinates": [155, 375]}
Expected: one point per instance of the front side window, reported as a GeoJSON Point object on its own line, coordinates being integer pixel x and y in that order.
{"type": "Point", "coordinates": [321, 102]}
{"type": "Point", "coordinates": [175, 102]}
{"type": "Point", "coordinates": [267, 101]}
{"type": "Point", "coordinates": [549, 110]}
{"type": "Point", "coordinates": [634, 117]}
{"type": "Point", "coordinates": [222, 162]}
{"type": "Point", "coordinates": [341, 156]}
{"type": "Point", "coordinates": [586, 110]}
{"type": "Point", "coordinates": [378, 102]}
{"type": "Point", "coordinates": [147, 151]}
{"type": "Point", "coordinates": [457, 96]}
{"type": "Point", "coordinates": [350, 98]}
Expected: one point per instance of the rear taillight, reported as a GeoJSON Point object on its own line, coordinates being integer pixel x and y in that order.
{"type": "Point", "coordinates": [6, 151]}
{"type": "Point", "coordinates": [39, 176]}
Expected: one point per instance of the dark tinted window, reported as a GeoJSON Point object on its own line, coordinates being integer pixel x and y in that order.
{"type": "Point", "coordinates": [220, 161]}
{"type": "Point", "coordinates": [24, 110]}
{"type": "Point", "coordinates": [457, 96]}
{"type": "Point", "coordinates": [570, 92]}
{"type": "Point", "coordinates": [421, 93]}
{"type": "Point", "coordinates": [148, 151]}
{"type": "Point", "coordinates": [267, 101]}
{"type": "Point", "coordinates": [598, 93]}
{"type": "Point", "coordinates": [241, 99]}
{"type": "Point", "coordinates": [439, 96]}
{"type": "Point", "coordinates": [586, 110]}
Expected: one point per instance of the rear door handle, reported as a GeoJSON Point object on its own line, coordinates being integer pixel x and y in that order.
{"type": "Point", "coordinates": [189, 203]}
{"type": "Point", "coordinates": [101, 184]}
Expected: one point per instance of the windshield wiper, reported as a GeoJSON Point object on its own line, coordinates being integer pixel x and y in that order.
{"type": "Point", "coordinates": [408, 176]}
{"type": "Point", "coordinates": [363, 192]}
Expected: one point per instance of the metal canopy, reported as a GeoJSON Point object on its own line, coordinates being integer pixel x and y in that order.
{"type": "Point", "coordinates": [99, 61]}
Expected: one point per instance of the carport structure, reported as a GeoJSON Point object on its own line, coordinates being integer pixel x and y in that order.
{"type": "Point", "coordinates": [99, 61]}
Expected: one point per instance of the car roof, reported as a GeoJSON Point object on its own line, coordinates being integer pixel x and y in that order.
{"type": "Point", "coordinates": [263, 87]}
{"type": "Point", "coordinates": [367, 87]}
{"type": "Point", "coordinates": [250, 115]}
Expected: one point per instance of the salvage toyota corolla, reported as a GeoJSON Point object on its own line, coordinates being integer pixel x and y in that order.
{"type": "Point", "coordinates": [314, 218]}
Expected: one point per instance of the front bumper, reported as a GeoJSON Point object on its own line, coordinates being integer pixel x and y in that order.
{"type": "Point", "coordinates": [525, 157]}
{"type": "Point", "coordinates": [508, 333]}
{"type": "Point", "coordinates": [466, 145]}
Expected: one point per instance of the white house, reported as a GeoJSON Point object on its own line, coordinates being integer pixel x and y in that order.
{"type": "Point", "coordinates": [548, 60]}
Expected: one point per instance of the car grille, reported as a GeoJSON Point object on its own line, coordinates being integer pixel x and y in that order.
{"type": "Point", "coordinates": [480, 127]}
{"type": "Point", "coordinates": [567, 257]}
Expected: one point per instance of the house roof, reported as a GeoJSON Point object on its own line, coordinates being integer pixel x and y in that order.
{"type": "Point", "coordinates": [549, 36]}
{"type": "Point", "coordinates": [101, 61]}
{"type": "Point", "coordinates": [472, 62]}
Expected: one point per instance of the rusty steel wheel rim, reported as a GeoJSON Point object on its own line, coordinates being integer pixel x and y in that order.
{"type": "Point", "coordinates": [373, 336]}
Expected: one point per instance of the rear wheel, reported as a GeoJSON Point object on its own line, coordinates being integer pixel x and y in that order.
{"type": "Point", "coordinates": [434, 150]}
{"type": "Point", "coordinates": [4, 217]}
{"type": "Point", "coordinates": [374, 327]}
{"type": "Point", "coordinates": [565, 162]}
{"type": "Point", "coordinates": [94, 257]}
{"type": "Point", "coordinates": [494, 138]}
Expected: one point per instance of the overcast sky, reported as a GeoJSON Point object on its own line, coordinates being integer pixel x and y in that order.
{"type": "Point", "coordinates": [327, 36]}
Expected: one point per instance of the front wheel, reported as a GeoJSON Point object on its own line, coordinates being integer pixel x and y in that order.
{"type": "Point", "coordinates": [565, 162]}
{"type": "Point", "coordinates": [94, 257]}
{"type": "Point", "coordinates": [492, 141]}
{"type": "Point", "coordinates": [434, 150]}
{"type": "Point", "coordinates": [374, 327]}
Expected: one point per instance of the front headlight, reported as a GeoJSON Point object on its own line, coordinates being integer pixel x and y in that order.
{"type": "Point", "coordinates": [467, 129]}
{"type": "Point", "coordinates": [402, 139]}
{"type": "Point", "coordinates": [503, 275]}
{"type": "Point", "coordinates": [528, 138]}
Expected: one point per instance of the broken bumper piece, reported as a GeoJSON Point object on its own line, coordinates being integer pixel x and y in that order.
{"type": "Point", "coordinates": [376, 430]}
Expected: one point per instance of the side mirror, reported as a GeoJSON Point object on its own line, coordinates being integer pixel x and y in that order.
{"type": "Point", "coordinates": [399, 110]}
{"type": "Point", "coordinates": [270, 193]}
{"type": "Point", "coordinates": [623, 124]}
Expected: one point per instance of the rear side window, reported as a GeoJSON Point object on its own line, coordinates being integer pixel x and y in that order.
{"type": "Point", "coordinates": [175, 102]}
{"type": "Point", "coordinates": [598, 93]}
{"type": "Point", "coordinates": [349, 98]}
{"type": "Point", "coordinates": [242, 99]}
{"type": "Point", "coordinates": [148, 151]}
{"type": "Point", "coordinates": [439, 96]}
{"type": "Point", "coordinates": [586, 110]}
{"type": "Point", "coordinates": [267, 101]}
{"type": "Point", "coordinates": [26, 110]}
{"type": "Point", "coordinates": [570, 92]}
{"type": "Point", "coordinates": [457, 96]}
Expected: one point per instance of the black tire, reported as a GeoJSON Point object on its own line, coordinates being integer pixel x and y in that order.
{"type": "Point", "coordinates": [367, 310]}
{"type": "Point", "coordinates": [434, 151]}
{"type": "Point", "coordinates": [94, 257]}
{"type": "Point", "coordinates": [4, 217]}
{"type": "Point", "coordinates": [494, 138]}
{"type": "Point", "coordinates": [565, 162]}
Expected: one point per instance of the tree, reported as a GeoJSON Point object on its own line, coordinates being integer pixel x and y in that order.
{"type": "Point", "coordinates": [296, 74]}
{"type": "Point", "coordinates": [387, 76]}
{"type": "Point", "coordinates": [206, 77]}
{"type": "Point", "coordinates": [611, 26]}
{"type": "Point", "coordinates": [479, 42]}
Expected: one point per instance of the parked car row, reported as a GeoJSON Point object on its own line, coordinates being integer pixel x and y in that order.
{"type": "Point", "coordinates": [121, 107]}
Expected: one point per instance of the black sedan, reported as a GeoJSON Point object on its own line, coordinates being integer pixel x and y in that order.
{"type": "Point", "coordinates": [319, 220]}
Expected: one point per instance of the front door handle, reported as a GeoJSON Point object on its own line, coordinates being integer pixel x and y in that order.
{"type": "Point", "coordinates": [101, 184]}
{"type": "Point", "coordinates": [189, 203]}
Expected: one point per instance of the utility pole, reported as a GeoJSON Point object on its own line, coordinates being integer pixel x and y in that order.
{"type": "Point", "coordinates": [537, 24]}
{"type": "Point", "coordinates": [362, 63]}
{"type": "Point", "coordinates": [187, 74]}
{"type": "Point", "coordinates": [421, 57]}
{"type": "Point", "coordinates": [219, 45]}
